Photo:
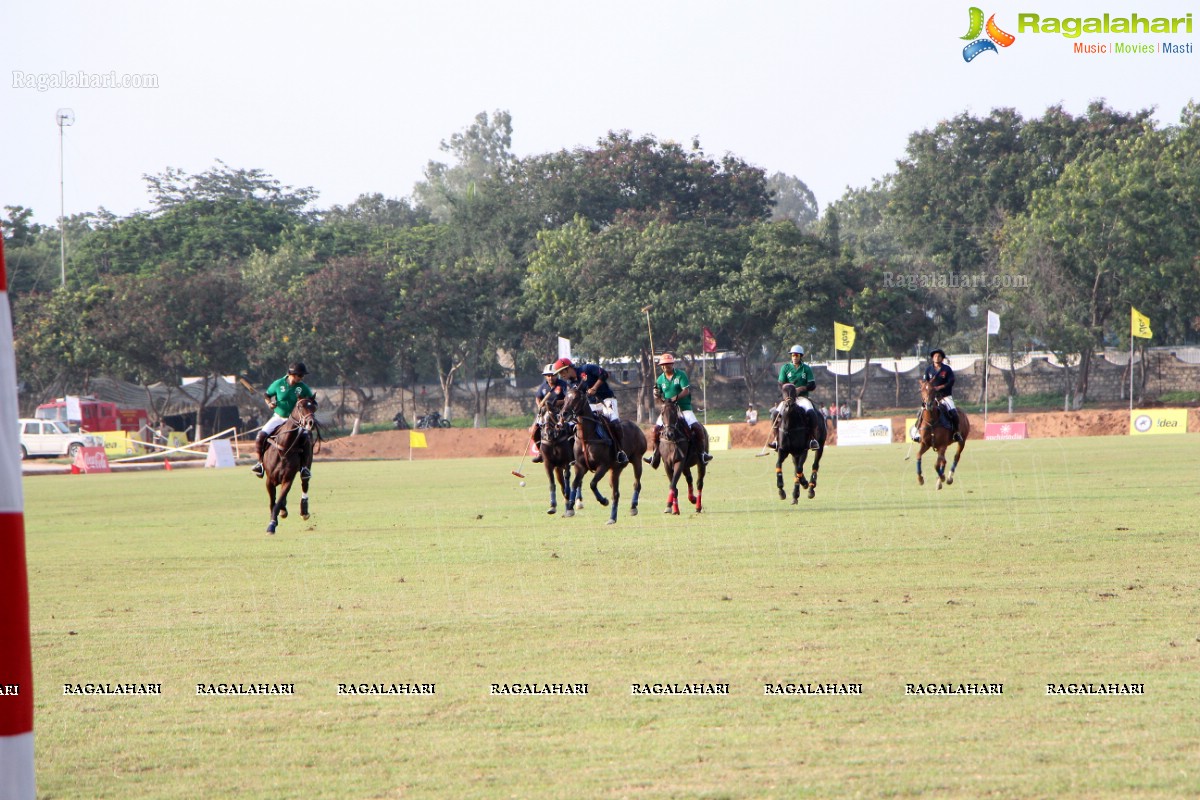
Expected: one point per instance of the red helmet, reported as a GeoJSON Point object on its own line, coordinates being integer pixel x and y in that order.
{"type": "Point", "coordinates": [562, 364]}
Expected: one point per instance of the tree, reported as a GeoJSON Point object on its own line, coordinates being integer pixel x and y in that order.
{"type": "Point", "coordinates": [793, 200]}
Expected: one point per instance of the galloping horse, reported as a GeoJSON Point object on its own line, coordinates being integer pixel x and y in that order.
{"type": "Point", "coordinates": [937, 436]}
{"type": "Point", "coordinates": [596, 455]}
{"type": "Point", "coordinates": [679, 454]}
{"type": "Point", "coordinates": [556, 447]}
{"type": "Point", "coordinates": [795, 433]}
{"type": "Point", "coordinates": [290, 448]}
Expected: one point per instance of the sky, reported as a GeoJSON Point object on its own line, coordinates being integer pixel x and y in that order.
{"type": "Point", "coordinates": [354, 97]}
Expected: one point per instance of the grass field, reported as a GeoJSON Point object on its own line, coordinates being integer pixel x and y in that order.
{"type": "Point", "coordinates": [1049, 561]}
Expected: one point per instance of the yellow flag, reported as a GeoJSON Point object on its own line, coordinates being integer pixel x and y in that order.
{"type": "Point", "coordinates": [1140, 326]}
{"type": "Point", "coordinates": [416, 439]}
{"type": "Point", "coordinates": [843, 336]}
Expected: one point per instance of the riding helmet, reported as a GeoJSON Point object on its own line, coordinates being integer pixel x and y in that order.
{"type": "Point", "coordinates": [298, 369]}
{"type": "Point", "coordinates": [932, 353]}
{"type": "Point", "coordinates": [548, 370]}
{"type": "Point", "coordinates": [562, 364]}
{"type": "Point", "coordinates": [666, 358]}
{"type": "Point", "coordinates": [798, 350]}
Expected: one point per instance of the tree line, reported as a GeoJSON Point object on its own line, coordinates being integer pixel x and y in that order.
{"type": "Point", "coordinates": [1058, 223]}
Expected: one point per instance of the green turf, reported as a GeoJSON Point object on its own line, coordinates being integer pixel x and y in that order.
{"type": "Point", "coordinates": [1048, 561]}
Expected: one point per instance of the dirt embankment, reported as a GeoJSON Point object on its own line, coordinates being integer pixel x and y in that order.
{"type": "Point", "coordinates": [461, 442]}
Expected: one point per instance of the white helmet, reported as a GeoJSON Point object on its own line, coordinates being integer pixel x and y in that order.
{"type": "Point", "coordinates": [797, 349]}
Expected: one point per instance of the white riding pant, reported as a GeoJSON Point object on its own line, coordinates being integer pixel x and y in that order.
{"type": "Point", "coordinates": [948, 402]}
{"type": "Point", "coordinates": [687, 415]}
{"type": "Point", "coordinates": [803, 402]}
{"type": "Point", "coordinates": [273, 424]}
{"type": "Point", "coordinates": [607, 407]}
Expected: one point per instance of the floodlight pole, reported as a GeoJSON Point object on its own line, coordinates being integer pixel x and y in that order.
{"type": "Point", "coordinates": [64, 117]}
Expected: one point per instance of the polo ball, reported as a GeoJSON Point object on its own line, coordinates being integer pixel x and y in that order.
{"type": "Point", "coordinates": [522, 483]}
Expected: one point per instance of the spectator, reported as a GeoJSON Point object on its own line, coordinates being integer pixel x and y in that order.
{"type": "Point", "coordinates": [751, 415]}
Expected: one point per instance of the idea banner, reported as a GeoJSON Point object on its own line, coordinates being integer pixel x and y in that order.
{"type": "Point", "coordinates": [1158, 420]}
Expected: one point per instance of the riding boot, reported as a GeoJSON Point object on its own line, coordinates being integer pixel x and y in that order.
{"type": "Point", "coordinates": [615, 429]}
{"type": "Point", "coordinates": [774, 445]}
{"type": "Point", "coordinates": [260, 447]}
{"type": "Point", "coordinates": [654, 460]}
{"type": "Point", "coordinates": [694, 435]}
{"type": "Point", "coordinates": [814, 425]}
{"type": "Point", "coordinates": [954, 421]}
{"type": "Point", "coordinates": [306, 471]}
{"type": "Point", "coordinates": [535, 435]}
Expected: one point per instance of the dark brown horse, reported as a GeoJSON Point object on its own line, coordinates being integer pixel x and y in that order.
{"type": "Point", "coordinates": [556, 444]}
{"type": "Point", "coordinates": [289, 449]}
{"type": "Point", "coordinates": [679, 454]}
{"type": "Point", "coordinates": [597, 455]}
{"type": "Point", "coordinates": [936, 436]}
{"type": "Point", "coordinates": [797, 430]}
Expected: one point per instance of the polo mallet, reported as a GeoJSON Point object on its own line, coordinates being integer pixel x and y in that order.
{"type": "Point", "coordinates": [517, 471]}
{"type": "Point", "coordinates": [770, 433]}
{"type": "Point", "coordinates": [646, 311]}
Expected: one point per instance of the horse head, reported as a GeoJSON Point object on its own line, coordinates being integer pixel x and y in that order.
{"type": "Point", "coordinates": [575, 404]}
{"type": "Point", "coordinates": [929, 399]}
{"type": "Point", "coordinates": [672, 420]}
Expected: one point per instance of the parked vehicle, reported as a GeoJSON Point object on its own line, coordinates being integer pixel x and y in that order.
{"type": "Point", "coordinates": [432, 420]}
{"type": "Point", "coordinates": [92, 415]}
{"type": "Point", "coordinates": [50, 437]}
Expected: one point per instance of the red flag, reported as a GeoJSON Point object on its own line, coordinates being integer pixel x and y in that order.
{"type": "Point", "coordinates": [710, 341]}
{"type": "Point", "coordinates": [16, 668]}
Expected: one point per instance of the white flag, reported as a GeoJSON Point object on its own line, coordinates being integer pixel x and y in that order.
{"type": "Point", "coordinates": [993, 323]}
{"type": "Point", "coordinates": [564, 348]}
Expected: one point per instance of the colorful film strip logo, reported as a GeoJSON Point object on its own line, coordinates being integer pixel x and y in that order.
{"type": "Point", "coordinates": [995, 36]}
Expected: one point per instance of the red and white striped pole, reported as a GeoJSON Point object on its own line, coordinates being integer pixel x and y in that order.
{"type": "Point", "coordinates": [16, 666]}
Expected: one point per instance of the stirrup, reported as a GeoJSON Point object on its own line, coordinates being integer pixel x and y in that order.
{"type": "Point", "coordinates": [648, 459]}
{"type": "Point", "coordinates": [813, 444]}
{"type": "Point", "coordinates": [958, 437]}
{"type": "Point", "coordinates": [773, 445]}
{"type": "Point", "coordinates": [257, 469]}
{"type": "Point", "coordinates": [705, 458]}
{"type": "Point", "coordinates": [536, 459]}
{"type": "Point", "coordinates": [305, 473]}
{"type": "Point", "coordinates": [622, 458]}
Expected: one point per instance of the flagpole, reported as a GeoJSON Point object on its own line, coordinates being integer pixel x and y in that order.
{"type": "Point", "coordinates": [837, 402]}
{"type": "Point", "coordinates": [987, 352]}
{"type": "Point", "coordinates": [1131, 369]}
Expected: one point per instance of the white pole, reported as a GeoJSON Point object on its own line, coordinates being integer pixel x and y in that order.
{"type": "Point", "coordinates": [62, 206]}
{"type": "Point", "coordinates": [987, 344]}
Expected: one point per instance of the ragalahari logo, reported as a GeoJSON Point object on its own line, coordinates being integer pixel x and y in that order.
{"type": "Point", "coordinates": [995, 36]}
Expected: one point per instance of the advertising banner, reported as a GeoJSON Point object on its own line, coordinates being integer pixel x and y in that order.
{"type": "Point", "coordinates": [718, 437]}
{"type": "Point", "coordinates": [864, 431]}
{"type": "Point", "coordinates": [1005, 430]}
{"type": "Point", "coordinates": [90, 459]}
{"type": "Point", "coordinates": [1158, 420]}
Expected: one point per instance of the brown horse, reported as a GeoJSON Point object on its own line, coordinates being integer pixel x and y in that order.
{"type": "Point", "coordinates": [797, 429]}
{"type": "Point", "coordinates": [556, 444]}
{"type": "Point", "coordinates": [595, 454]}
{"type": "Point", "coordinates": [679, 454]}
{"type": "Point", "coordinates": [289, 449]}
{"type": "Point", "coordinates": [934, 435]}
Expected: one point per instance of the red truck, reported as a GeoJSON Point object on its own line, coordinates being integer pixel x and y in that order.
{"type": "Point", "coordinates": [93, 415]}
